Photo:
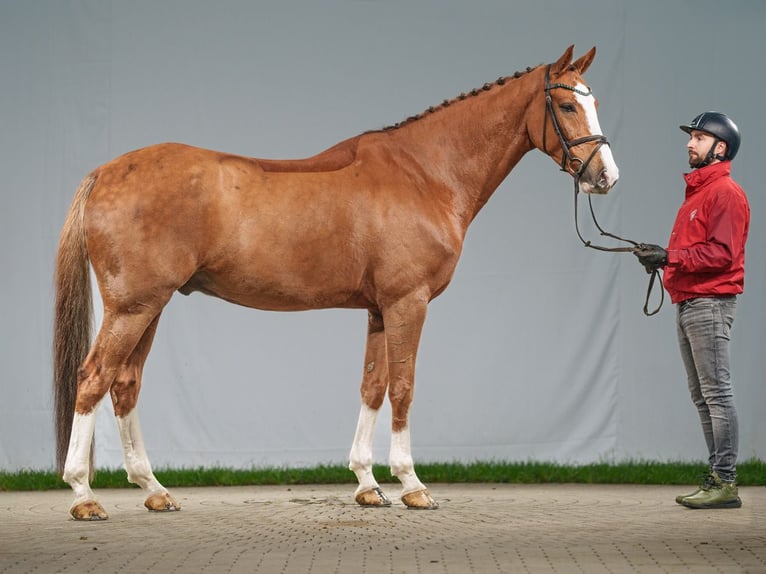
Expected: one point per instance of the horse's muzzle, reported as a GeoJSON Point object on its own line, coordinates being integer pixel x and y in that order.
{"type": "Point", "coordinates": [601, 174]}
{"type": "Point", "coordinates": [600, 184]}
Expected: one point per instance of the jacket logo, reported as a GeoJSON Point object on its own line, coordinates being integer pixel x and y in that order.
{"type": "Point", "coordinates": [692, 215]}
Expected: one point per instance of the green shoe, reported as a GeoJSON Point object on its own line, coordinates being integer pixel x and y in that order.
{"type": "Point", "coordinates": [717, 494]}
{"type": "Point", "coordinates": [707, 482]}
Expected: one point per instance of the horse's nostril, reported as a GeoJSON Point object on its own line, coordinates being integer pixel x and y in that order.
{"type": "Point", "coordinates": [605, 181]}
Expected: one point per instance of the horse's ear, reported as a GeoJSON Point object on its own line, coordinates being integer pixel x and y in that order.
{"type": "Point", "coordinates": [585, 61]}
{"type": "Point", "coordinates": [563, 62]}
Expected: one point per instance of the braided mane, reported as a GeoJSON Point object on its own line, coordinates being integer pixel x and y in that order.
{"type": "Point", "coordinates": [446, 103]}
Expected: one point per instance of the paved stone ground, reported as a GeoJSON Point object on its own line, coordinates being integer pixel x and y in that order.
{"type": "Point", "coordinates": [483, 528]}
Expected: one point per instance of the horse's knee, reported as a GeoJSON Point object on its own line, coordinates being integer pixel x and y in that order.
{"type": "Point", "coordinates": [373, 394]}
{"type": "Point", "coordinates": [374, 384]}
{"type": "Point", "coordinates": [400, 395]}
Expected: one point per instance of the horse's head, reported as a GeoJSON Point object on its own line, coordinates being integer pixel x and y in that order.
{"type": "Point", "coordinates": [567, 127]}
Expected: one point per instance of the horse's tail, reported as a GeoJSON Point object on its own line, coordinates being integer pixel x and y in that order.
{"type": "Point", "coordinates": [73, 318]}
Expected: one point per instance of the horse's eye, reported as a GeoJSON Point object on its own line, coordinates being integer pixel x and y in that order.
{"type": "Point", "coordinates": [567, 108]}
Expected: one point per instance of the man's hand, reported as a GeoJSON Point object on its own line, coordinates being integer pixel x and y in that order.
{"type": "Point", "coordinates": [652, 257]}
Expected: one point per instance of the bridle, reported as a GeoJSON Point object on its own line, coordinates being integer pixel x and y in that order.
{"type": "Point", "coordinates": [567, 158]}
{"type": "Point", "coordinates": [568, 161]}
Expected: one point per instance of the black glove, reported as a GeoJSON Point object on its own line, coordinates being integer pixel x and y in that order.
{"type": "Point", "coordinates": [652, 257]}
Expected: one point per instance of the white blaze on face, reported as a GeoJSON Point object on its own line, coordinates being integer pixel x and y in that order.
{"type": "Point", "coordinates": [588, 104]}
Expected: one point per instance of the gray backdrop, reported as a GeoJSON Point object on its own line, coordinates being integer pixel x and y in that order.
{"type": "Point", "coordinates": [537, 351]}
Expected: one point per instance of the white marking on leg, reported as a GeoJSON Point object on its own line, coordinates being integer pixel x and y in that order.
{"type": "Point", "coordinates": [77, 465]}
{"type": "Point", "coordinates": [400, 459]}
{"type": "Point", "coordinates": [136, 460]}
{"type": "Point", "coordinates": [588, 104]}
{"type": "Point", "coordinates": [360, 458]}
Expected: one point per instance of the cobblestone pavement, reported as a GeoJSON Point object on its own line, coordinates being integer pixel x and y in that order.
{"type": "Point", "coordinates": [482, 528]}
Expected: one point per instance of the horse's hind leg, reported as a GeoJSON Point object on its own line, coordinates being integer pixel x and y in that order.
{"type": "Point", "coordinates": [77, 469]}
{"type": "Point", "coordinates": [124, 392]}
{"type": "Point", "coordinates": [374, 384]}
{"type": "Point", "coordinates": [118, 336]}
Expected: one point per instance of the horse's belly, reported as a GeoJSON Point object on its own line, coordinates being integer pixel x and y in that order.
{"type": "Point", "coordinates": [282, 291]}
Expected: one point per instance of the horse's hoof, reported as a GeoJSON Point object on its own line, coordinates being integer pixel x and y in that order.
{"type": "Point", "coordinates": [89, 510]}
{"type": "Point", "coordinates": [372, 497]}
{"type": "Point", "coordinates": [420, 500]}
{"type": "Point", "coordinates": [161, 502]}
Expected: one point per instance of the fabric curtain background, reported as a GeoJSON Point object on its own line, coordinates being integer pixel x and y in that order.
{"type": "Point", "coordinates": [538, 350]}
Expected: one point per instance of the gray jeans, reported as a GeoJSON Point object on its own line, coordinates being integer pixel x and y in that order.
{"type": "Point", "coordinates": [704, 326]}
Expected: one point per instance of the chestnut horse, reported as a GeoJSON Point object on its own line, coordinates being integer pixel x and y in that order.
{"type": "Point", "coordinates": [376, 222]}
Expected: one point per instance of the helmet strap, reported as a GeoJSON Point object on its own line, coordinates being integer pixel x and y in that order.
{"type": "Point", "coordinates": [711, 155]}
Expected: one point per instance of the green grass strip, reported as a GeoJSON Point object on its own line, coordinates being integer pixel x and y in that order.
{"type": "Point", "coordinates": [749, 473]}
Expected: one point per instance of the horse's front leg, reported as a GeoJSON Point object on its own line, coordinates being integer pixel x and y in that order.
{"type": "Point", "coordinates": [404, 323]}
{"type": "Point", "coordinates": [374, 384]}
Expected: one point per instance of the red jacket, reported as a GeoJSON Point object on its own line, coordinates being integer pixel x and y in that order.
{"type": "Point", "coordinates": [706, 252]}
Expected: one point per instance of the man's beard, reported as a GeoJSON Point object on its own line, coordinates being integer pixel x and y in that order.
{"type": "Point", "coordinates": [695, 161]}
{"type": "Point", "coordinates": [698, 160]}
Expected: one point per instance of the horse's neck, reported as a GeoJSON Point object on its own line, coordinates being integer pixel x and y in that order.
{"type": "Point", "coordinates": [469, 147]}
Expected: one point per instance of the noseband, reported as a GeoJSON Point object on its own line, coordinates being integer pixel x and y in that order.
{"type": "Point", "coordinates": [568, 160]}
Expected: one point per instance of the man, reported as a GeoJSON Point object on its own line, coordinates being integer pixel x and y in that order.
{"type": "Point", "coordinates": [704, 271]}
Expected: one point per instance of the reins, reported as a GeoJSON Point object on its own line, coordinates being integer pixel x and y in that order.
{"type": "Point", "coordinates": [656, 274]}
{"type": "Point", "coordinates": [568, 158]}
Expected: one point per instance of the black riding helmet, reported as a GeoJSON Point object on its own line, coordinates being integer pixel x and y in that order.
{"type": "Point", "coordinates": [720, 127]}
